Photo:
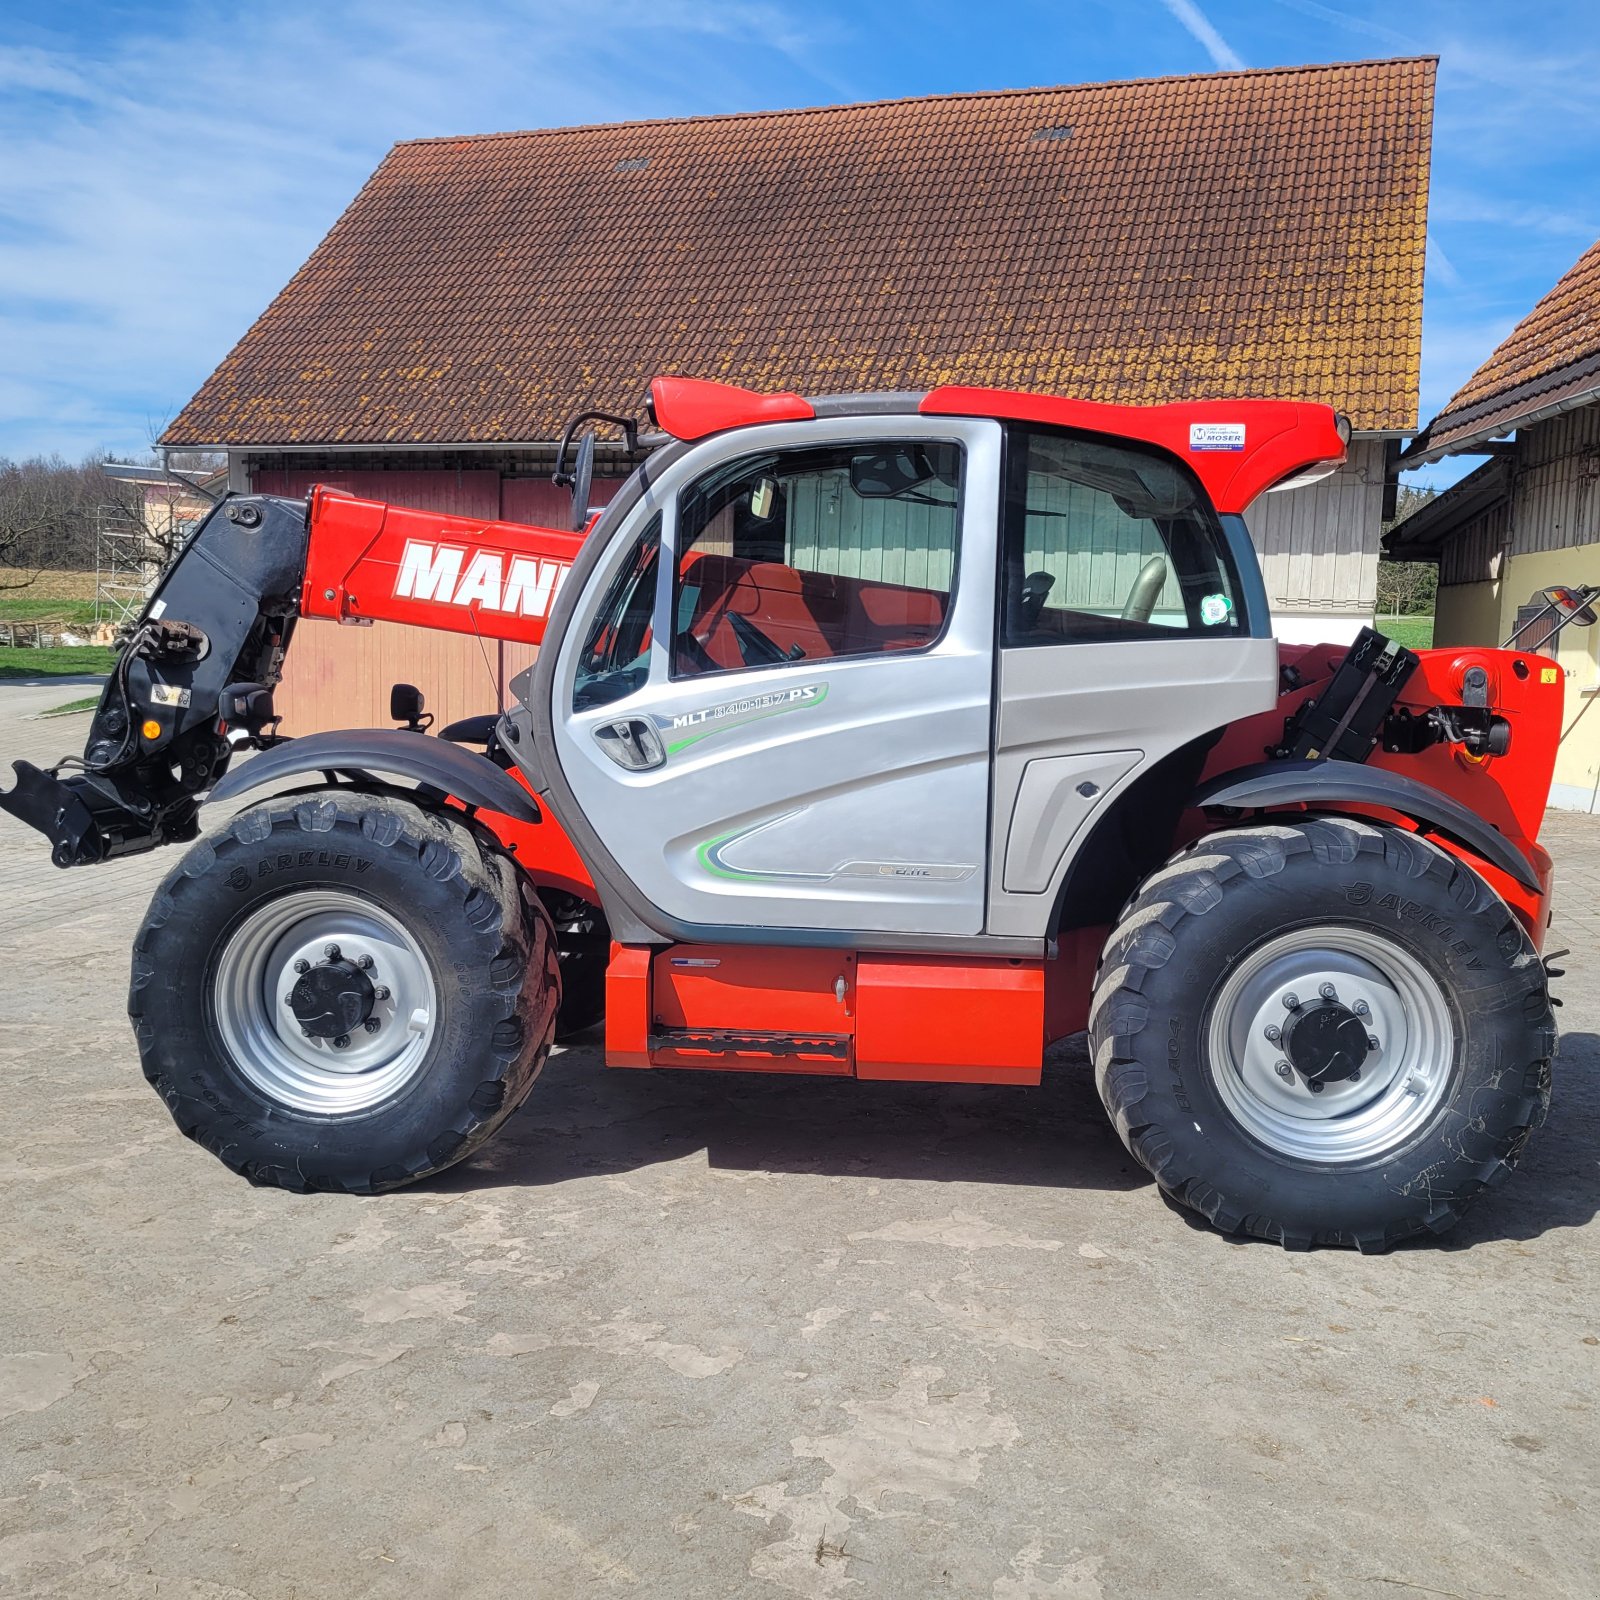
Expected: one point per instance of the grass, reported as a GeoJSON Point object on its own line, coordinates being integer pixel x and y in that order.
{"type": "Point", "coordinates": [1415, 633]}
{"type": "Point", "coordinates": [87, 703]}
{"type": "Point", "coordinates": [23, 607]}
{"type": "Point", "coordinates": [57, 661]}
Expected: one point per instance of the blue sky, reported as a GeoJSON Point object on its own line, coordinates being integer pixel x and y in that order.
{"type": "Point", "coordinates": [165, 168]}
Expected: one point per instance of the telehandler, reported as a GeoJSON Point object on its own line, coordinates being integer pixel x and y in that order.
{"type": "Point", "coordinates": [886, 736]}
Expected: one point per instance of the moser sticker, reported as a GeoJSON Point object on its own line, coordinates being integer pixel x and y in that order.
{"type": "Point", "coordinates": [453, 575]}
{"type": "Point", "coordinates": [1216, 436]}
{"type": "Point", "coordinates": [692, 726]}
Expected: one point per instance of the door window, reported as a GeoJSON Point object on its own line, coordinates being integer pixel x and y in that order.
{"type": "Point", "coordinates": [1105, 541]}
{"type": "Point", "coordinates": [615, 659]}
{"type": "Point", "coordinates": [807, 555]}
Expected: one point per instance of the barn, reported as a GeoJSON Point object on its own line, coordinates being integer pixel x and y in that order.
{"type": "Point", "coordinates": [1245, 233]}
{"type": "Point", "coordinates": [1528, 518]}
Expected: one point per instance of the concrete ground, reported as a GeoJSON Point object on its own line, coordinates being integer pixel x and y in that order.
{"type": "Point", "coordinates": [680, 1334]}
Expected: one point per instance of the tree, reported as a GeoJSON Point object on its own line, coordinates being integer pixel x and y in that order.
{"type": "Point", "coordinates": [1406, 587]}
{"type": "Point", "coordinates": [47, 516]}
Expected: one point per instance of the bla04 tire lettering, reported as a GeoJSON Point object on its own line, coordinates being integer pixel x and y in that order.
{"type": "Point", "coordinates": [472, 916]}
{"type": "Point", "coordinates": [1197, 919]}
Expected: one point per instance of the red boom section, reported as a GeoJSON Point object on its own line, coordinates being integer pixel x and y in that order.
{"type": "Point", "coordinates": [373, 562]}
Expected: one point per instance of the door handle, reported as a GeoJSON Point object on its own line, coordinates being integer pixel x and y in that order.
{"type": "Point", "coordinates": [632, 743]}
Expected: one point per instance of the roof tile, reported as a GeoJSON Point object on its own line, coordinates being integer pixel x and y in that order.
{"type": "Point", "coordinates": [1237, 233]}
{"type": "Point", "coordinates": [1551, 355]}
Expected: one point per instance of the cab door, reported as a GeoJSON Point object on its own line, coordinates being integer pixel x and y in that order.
{"type": "Point", "coordinates": [773, 703]}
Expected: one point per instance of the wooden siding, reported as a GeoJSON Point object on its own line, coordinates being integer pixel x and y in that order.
{"type": "Point", "coordinates": [1319, 545]}
{"type": "Point", "coordinates": [1468, 556]}
{"type": "Point", "coordinates": [1556, 494]}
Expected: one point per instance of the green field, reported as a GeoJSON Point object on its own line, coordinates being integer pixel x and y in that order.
{"type": "Point", "coordinates": [1415, 633]}
{"type": "Point", "coordinates": [16, 607]}
{"type": "Point", "coordinates": [61, 661]}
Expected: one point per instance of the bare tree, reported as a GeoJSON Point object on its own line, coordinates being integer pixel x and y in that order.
{"type": "Point", "coordinates": [47, 516]}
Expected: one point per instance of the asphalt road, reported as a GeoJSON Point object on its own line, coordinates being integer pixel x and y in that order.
{"type": "Point", "coordinates": [680, 1334]}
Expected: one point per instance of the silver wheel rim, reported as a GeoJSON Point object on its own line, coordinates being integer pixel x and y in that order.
{"type": "Point", "coordinates": [250, 1001]}
{"type": "Point", "coordinates": [1401, 1082]}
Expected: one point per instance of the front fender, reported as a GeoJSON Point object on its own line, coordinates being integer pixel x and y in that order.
{"type": "Point", "coordinates": [1328, 784]}
{"type": "Point", "coordinates": [469, 777]}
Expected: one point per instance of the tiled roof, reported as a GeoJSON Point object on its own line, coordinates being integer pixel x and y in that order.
{"type": "Point", "coordinates": [1552, 355]}
{"type": "Point", "coordinates": [1246, 233]}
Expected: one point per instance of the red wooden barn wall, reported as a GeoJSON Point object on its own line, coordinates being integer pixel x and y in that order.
{"type": "Point", "coordinates": [339, 677]}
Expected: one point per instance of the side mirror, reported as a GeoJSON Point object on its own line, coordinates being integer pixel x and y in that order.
{"type": "Point", "coordinates": [405, 705]}
{"type": "Point", "coordinates": [1574, 605]}
{"type": "Point", "coordinates": [882, 474]}
{"type": "Point", "coordinates": [582, 482]}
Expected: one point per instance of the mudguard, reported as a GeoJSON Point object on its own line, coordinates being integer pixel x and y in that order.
{"type": "Point", "coordinates": [1335, 783]}
{"type": "Point", "coordinates": [470, 777]}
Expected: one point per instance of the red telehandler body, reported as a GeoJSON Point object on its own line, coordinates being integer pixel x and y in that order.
{"type": "Point", "coordinates": [887, 736]}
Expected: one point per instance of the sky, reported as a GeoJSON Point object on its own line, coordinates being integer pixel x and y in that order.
{"type": "Point", "coordinates": [164, 169]}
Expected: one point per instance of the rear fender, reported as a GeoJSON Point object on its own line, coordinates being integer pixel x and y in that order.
{"type": "Point", "coordinates": [1332, 785]}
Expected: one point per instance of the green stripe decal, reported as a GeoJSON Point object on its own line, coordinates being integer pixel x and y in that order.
{"type": "Point", "coordinates": [745, 722]}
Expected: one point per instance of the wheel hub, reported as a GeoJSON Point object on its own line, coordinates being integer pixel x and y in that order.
{"type": "Point", "coordinates": [333, 999]}
{"type": "Point", "coordinates": [325, 1001]}
{"type": "Point", "coordinates": [1330, 1043]}
{"type": "Point", "coordinates": [1325, 1042]}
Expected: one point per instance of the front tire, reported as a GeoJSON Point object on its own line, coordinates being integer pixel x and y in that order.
{"type": "Point", "coordinates": [1323, 1033]}
{"type": "Point", "coordinates": [344, 991]}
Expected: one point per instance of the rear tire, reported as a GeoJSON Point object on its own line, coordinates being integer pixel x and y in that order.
{"type": "Point", "coordinates": [1300, 1136]}
{"type": "Point", "coordinates": [426, 945]}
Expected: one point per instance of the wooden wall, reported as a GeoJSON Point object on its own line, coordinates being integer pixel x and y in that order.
{"type": "Point", "coordinates": [1319, 545]}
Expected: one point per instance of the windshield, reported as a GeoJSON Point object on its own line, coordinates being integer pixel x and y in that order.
{"type": "Point", "coordinates": [615, 660]}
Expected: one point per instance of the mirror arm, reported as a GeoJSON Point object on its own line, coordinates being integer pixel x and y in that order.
{"type": "Point", "coordinates": [630, 433]}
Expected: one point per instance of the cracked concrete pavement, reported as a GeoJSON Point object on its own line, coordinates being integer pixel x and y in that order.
{"type": "Point", "coordinates": [678, 1334]}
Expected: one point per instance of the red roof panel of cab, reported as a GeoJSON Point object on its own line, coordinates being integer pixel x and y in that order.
{"type": "Point", "coordinates": [1237, 448]}
{"type": "Point", "coordinates": [691, 408]}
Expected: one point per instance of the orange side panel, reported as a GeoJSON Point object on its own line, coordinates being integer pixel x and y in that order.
{"type": "Point", "coordinates": [949, 1019]}
{"type": "Point", "coordinates": [730, 992]}
{"type": "Point", "coordinates": [544, 850]}
{"type": "Point", "coordinates": [628, 1007]}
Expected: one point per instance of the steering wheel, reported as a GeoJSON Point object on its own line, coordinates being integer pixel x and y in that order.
{"type": "Point", "coordinates": [756, 648]}
{"type": "Point", "coordinates": [1146, 590]}
{"type": "Point", "coordinates": [1036, 589]}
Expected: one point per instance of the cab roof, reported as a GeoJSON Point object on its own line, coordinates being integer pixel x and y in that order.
{"type": "Point", "coordinates": [1238, 449]}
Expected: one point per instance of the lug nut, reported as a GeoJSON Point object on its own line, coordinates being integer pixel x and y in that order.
{"type": "Point", "coordinates": [331, 951]}
{"type": "Point", "coordinates": [365, 963]}
{"type": "Point", "coordinates": [302, 966]}
{"type": "Point", "coordinates": [1362, 1009]}
{"type": "Point", "coordinates": [1372, 1041]}
{"type": "Point", "coordinates": [1316, 1088]}
{"type": "Point", "coordinates": [1355, 1075]}
{"type": "Point", "coordinates": [1284, 1071]}
{"type": "Point", "coordinates": [372, 1024]}
{"type": "Point", "coordinates": [380, 993]}
{"type": "Point", "coordinates": [1328, 992]}
{"type": "Point", "coordinates": [1291, 1001]}
{"type": "Point", "coordinates": [341, 1041]}
{"type": "Point", "coordinates": [1273, 1035]}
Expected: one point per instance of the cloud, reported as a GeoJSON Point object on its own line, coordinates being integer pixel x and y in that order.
{"type": "Point", "coordinates": [1195, 22]}
{"type": "Point", "coordinates": [1440, 265]}
{"type": "Point", "coordinates": [161, 184]}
